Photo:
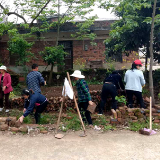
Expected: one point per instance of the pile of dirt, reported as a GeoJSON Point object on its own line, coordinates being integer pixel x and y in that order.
{"type": "Point", "coordinates": [56, 91]}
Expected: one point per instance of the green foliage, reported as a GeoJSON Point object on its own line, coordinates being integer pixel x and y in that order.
{"type": "Point", "coordinates": [136, 126]}
{"type": "Point", "coordinates": [132, 30]}
{"type": "Point", "coordinates": [145, 92]}
{"type": "Point", "coordinates": [79, 63]}
{"type": "Point", "coordinates": [84, 30]}
{"type": "Point", "coordinates": [54, 55]}
{"type": "Point", "coordinates": [71, 124]}
{"type": "Point", "coordinates": [28, 119]}
{"type": "Point", "coordinates": [101, 120]}
{"type": "Point", "coordinates": [16, 92]}
{"type": "Point", "coordinates": [121, 99]}
{"type": "Point", "coordinates": [109, 127]}
{"type": "Point", "coordinates": [47, 118]}
{"type": "Point", "coordinates": [158, 95]}
{"type": "Point", "coordinates": [21, 47]}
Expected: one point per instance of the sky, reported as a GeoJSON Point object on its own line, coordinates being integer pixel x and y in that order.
{"type": "Point", "coordinates": [101, 13]}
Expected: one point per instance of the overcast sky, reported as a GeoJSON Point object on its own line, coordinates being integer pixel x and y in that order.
{"type": "Point", "coordinates": [101, 13]}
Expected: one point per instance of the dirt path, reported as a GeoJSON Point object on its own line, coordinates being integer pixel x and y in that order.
{"type": "Point", "coordinates": [117, 145]}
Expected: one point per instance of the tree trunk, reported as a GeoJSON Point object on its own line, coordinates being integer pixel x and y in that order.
{"type": "Point", "coordinates": [50, 74]}
{"type": "Point", "coordinates": [58, 29]}
{"type": "Point", "coordinates": [151, 55]}
{"type": "Point", "coordinates": [146, 61]}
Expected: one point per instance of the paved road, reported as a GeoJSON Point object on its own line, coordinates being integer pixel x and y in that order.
{"type": "Point", "coordinates": [116, 145]}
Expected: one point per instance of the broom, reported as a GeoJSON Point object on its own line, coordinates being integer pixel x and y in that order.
{"type": "Point", "coordinates": [149, 131]}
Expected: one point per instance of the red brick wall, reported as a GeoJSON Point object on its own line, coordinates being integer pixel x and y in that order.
{"type": "Point", "coordinates": [93, 52]}
{"type": "Point", "coordinates": [36, 48]}
{"type": "Point", "coordinates": [4, 54]}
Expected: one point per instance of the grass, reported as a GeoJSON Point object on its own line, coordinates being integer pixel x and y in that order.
{"type": "Point", "coordinates": [101, 120]}
{"type": "Point", "coordinates": [47, 118]}
{"type": "Point", "coordinates": [71, 124]}
{"type": "Point", "coordinates": [136, 126]}
{"type": "Point", "coordinates": [42, 128]}
{"type": "Point", "coordinates": [16, 91]}
{"type": "Point", "coordinates": [109, 127]}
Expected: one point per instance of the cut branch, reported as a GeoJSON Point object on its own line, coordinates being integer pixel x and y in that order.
{"type": "Point", "coordinates": [31, 24]}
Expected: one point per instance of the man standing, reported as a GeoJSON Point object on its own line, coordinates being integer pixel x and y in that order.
{"type": "Point", "coordinates": [35, 79]}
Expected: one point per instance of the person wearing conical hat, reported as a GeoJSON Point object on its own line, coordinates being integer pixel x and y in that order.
{"type": "Point", "coordinates": [84, 97]}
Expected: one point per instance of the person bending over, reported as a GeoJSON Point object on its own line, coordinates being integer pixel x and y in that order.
{"type": "Point", "coordinates": [134, 80]}
{"type": "Point", "coordinates": [32, 100]}
{"type": "Point", "coordinates": [111, 84]}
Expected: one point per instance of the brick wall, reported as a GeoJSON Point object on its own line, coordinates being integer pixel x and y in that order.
{"type": "Point", "coordinates": [92, 53]}
{"type": "Point", "coordinates": [4, 54]}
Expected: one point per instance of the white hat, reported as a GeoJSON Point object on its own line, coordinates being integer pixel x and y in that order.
{"type": "Point", "coordinates": [77, 74]}
{"type": "Point", "coordinates": [4, 68]}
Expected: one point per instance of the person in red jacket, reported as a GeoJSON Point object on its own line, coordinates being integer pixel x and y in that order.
{"type": "Point", "coordinates": [5, 87]}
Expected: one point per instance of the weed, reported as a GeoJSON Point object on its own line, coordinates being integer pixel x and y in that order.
{"type": "Point", "coordinates": [158, 95]}
{"type": "Point", "coordinates": [108, 127]}
{"type": "Point", "coordinates": [145, 92]}
{"type": "Point", "coordinates": [121, 99]}
{"type": "Point", "coordinates": [47, 118]}
{"type": "Point", "coordinates": [42, 128]}
{"type": "Point", "coordinates": [136, 126]}
{"type": "Point", "coordinates": [101, 121]}
{"type": "Point", "coordinates": [27, 120]}
{"type": "Point", "coordinates": [73, 124]}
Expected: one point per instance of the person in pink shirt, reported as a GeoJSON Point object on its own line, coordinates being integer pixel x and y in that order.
{"type": "Point", "coordinates": [5, 87]}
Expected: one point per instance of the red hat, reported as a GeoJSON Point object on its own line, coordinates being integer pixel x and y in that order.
{"type": "Point", "coordinates": [138, 62]}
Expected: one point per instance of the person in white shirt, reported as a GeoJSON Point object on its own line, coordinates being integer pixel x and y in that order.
{"type": "Point", "coordinates": [134, 80]}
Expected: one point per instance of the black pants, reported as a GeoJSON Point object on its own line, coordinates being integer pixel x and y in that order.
{"type": "Point", "coordinates": [138, 95]}
{"type": "Point", "coordinates": [2, 96]}
{"type": "Point", "coordinates": [84, 112]}
{"type": "Point", "coordinates": [108, 89]}
{"type": "Point", "coordinates": [39, 110]}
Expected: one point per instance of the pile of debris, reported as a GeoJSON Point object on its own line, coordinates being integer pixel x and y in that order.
{"type": "Point", "coordinates": [55, 102]}
{"type": "Point", "coordinates": [11, 124]}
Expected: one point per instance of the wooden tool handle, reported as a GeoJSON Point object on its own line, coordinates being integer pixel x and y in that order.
{"type": "Point", "coordinates": [150, 120]}
{"type": "Point", "coordinates": [68, 76]}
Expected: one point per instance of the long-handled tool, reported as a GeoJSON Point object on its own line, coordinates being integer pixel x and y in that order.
{"type": "Point", "coordinates": [82, 135]}
{"type": "Point", "coordinates": [58, 135]}
{"type": "Point", "coordinates": [149, 131]}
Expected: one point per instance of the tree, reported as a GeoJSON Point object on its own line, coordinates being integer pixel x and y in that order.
{"type": "Point", "coordinates": [66, 11]}
{"type": "Point", "coordinates": [21, 47]}
{"type": "Point", "coordinates": [132, 31]}
{"type": "Point", "coordinates": [53, 56]}
{"type": "Point", "coordinates": [151, 53]}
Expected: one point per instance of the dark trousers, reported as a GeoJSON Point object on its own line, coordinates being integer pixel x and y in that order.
{"type": "Point", "coordinates": [2, 96]}
{"type": "Point", "coordinates": [39, 110]}
{"type": "Point", "coordinates": [138, 95]}
{"type": "Point", "coordinates": [108, 89]}
{"type": "Point", "coordinates": [84, 112]}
